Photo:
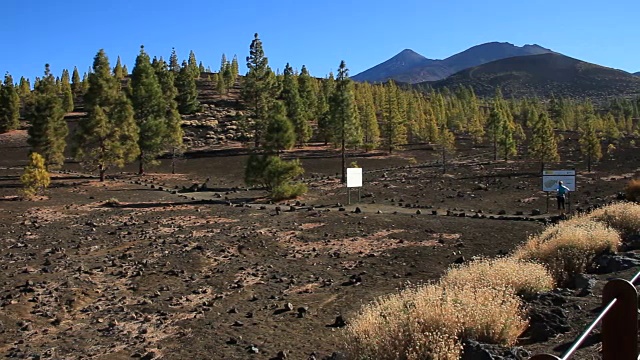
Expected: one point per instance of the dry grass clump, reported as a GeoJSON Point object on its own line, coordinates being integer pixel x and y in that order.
{"type": "Point", "coordinates": [524, 277]}
{"type": "Point", "coordinates": [428, 322]}
{"type": "Point", "coordinates": [632, 190]}
{"type": "Point", "coordinates": [624, 217]}
{"type": "Point", "coordinates": [568, 248]}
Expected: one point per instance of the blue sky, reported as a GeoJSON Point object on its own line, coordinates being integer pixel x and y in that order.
{"type": "Point", "coordinates": [316, 33]}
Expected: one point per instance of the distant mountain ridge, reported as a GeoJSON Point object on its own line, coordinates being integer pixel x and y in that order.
{"type": "Point", "coordinates": [543, 75]}
{"type": "Point", "coordinates": [637, 73]}
{"type": "Point", "coordinates": [411, 67]}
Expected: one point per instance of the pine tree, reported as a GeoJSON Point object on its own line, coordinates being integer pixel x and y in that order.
{"type": "Point", "coordinates": [394, 132]}
{"type": "Point", "coordinates": [201, 68]}
{"type": "Point", "coordinates": [308, 90]}
{"type": "Point", "coordinates": [118, 71]}
{"type": "Point", "coordinates": [368, 119]}
{"type": "Point", "coordinates": [48, 131]}
{"type": "Point", "coordinates": [174, 133]}
{"type": "Point", "coordinates": [9, 105]}
{"type": "Point", "coordinates": [76, 83]}
{"type": "Point", "coordinates": [24, 91]}
{"type": "Point", "coordinates": [193, 65]}
{"type": "Point", "coordinates": [280, 133]}
{"type": "Point", "coordinates": [235, 70]}
{"type": "Point", "coordinates": [611, 131]}
{"type": "Point", "coordinates": [174, 64]}
{"type": "Point", "coordinates": [295, 106]}
{"type": "Point", "coordinates": [589, 142]}
{"type": "Point", "coordinates": [187, 91]}
{"type": "Point", "coordinates": [67, 94]}
{"type": "Point", "coordinates": [109, 135]}
{"type": "Point", "coordinates": [260, 88]}
{"type": "Point", "coordinates": [447, 142]}
{"type": "Point", "coordinates": [344, 122]}
{"type": "Point", "coordinates": [543, 146]}
{"type": "Point", "coordinates": [324, 110]}
{"type": "Point", "coordinates": [150, 110]}
{"type": "Point", "coordinates": [35, 178]}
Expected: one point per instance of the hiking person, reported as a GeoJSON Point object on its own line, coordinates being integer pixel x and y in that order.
{"type": "Point", "coordinates": [561, 194]}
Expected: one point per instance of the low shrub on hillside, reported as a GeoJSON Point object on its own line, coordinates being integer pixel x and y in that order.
{"type": "Point", "coordinates": [632, 190]}
{"type": "Point", "coordinates": [429, 322]}
{"type": "Point", "coordinates": [624, 217]}
{"type": "Point", "coordinates": [524, 277]}
{"type": "Point", "coordinates": [568, 248]}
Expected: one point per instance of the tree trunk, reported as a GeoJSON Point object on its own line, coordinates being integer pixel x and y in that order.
{"type": "Point", "coordinates": [541, 168]}
{"type": "Point", "coordinates": [495, 149]}
{"type": "Point", "coordinates": [444, 160]}
{"type": "Point", "coordinates": [141, 165]}
{"type": "Point", "coordinates": [102, 171]}
{"type": "Point", "coordinates": [589, 163]}
{"type": "Point", "coordinates": [344, 161]}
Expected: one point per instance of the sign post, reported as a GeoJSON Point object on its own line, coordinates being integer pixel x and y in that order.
{"type": "Point", "coordinates": [354, 179]}
{"type": "Point", "coordinates": [551, 178]}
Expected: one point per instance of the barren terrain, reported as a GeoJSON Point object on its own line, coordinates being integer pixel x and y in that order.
{"type": "Point", "coordinates": [138, 268]}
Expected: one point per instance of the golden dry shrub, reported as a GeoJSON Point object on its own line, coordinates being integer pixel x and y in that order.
{"type": "Point", "coordinates": [524, 277]}
{"type": "Point", "coordinates": [632, 190]}
{"type": "Point", "coordinates": [568, 248]}
{"type": "Point", "coordinates": [429, 322]}
{"type": "Point", "coordinates": [623, 216]}
{"type": "Point", "coordinates": [35, 178]}
{"type": "Point", "coordinates": [413, 324]}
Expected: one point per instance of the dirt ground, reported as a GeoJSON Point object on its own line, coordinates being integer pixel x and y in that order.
{"type": "Point", "coordinates": [137, 268]}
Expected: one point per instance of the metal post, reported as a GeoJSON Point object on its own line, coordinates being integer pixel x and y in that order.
{"type": "Point", "coordinates": [620, 325]}
{"type": "Point", "coordinates": [349, 195]}
{"type": "Point", "coordinates": [547, 202]}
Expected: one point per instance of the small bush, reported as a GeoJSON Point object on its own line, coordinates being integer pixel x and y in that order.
{"type": "Point", "coordinates": [276, 175]}
{"type": "Point", "coordinates": [632, 190]}
{"type": "Point", "coordinates": [428, 322]}
{"type": "Point", "coordinates": [624, 217]}
{"type": "Point", "coordinates": [524, 277]}
{"type": "Point", "coordinates": [288, 191]}
{"type": "Point", "coordinates": [35, 178]}
{"type": "Point", "coordinates": [568, 248]}
{"type": "Point", "coordinates": [412, 161]}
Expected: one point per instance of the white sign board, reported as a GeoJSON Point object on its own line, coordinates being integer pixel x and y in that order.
{"type": "Point", "coordinates": [550, 179]}
{"type": "Point", "coordinates": [354, 177]}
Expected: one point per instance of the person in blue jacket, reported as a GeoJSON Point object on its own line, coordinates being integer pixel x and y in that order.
{"type": "Point", "coordinates": [561, 195]}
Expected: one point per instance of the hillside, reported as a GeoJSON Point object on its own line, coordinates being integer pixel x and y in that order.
{"type": "Point", "coordinates": [637, 73]}
{"type": "Point", "coordinates": [543, 75]}
{"type": "Point", "coordinates": [411, 67]}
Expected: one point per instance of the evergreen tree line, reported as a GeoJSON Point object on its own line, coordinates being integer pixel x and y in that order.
{"type": "Point", "coordinates": [137, 115]}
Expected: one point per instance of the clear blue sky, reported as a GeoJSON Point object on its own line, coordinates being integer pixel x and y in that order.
{"type": "Point", "coordinates": [317, 33]}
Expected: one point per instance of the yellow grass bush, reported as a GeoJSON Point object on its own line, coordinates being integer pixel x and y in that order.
{"type": "Point", "coordinates": [624, 217]}
{"type": "Point", "coordinates": [524, 277]}
{"type": "Point", "coordinates": [568, 248]}
{"type": "Point", "coordinates": [632, 190]}
{"type": "Point", "coordinates": [429, 322]}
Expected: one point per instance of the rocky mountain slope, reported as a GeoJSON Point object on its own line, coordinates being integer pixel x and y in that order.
{"type": "Point", "coordinates": [543, 75]}
{"type": "Point", "coordinates": [411, 67]}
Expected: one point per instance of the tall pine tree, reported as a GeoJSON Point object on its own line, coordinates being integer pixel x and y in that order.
{"type": "Point", "coordinates": [9, 105]}
{"type": "Point", "coordinates": [187, 91]}
{"type": "Point", "coordinates": [344, 122]}
{"type": "Point", "coordinates": [260, 88]}
{"type": "Point", "coordinates": [109, 135]}
{"type": "Point", "coordinates": [543, 146]}
{"type": "Point", "coordinates": [48, 131]}
{"type": "Point", "coordinates": [150, 110]}
{"type": "Point", "coordinates": [590, 142]}
{"type": "Point", "coordinates": [295, 106]}
{"type": "Point", "coordinates": [65, 89]}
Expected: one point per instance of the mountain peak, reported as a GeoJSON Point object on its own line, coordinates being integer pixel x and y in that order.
{"type": "Point", "coordinates": [401, 62]}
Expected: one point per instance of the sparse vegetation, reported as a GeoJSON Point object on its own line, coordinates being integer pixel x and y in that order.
{"type": "Point", "coordinates": [524, 277]}
{"type": "Point", "coordinates": [429, 322]}
{"type": "Point", "coordinates": [624, 217]}
{"type": "Point", "coordinates": [569, 247]}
